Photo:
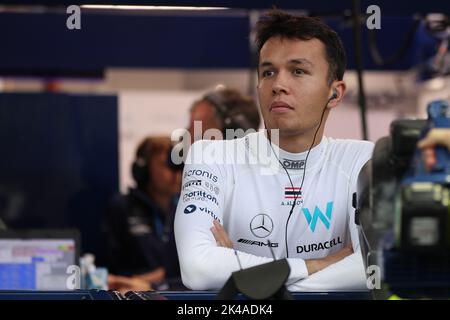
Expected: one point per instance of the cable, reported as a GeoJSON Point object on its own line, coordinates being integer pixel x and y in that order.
{"type": "Point", "coordinates": [399, 53]}
{"type": "Point", "coordinates": [238, 260]}
{"type": "Point", "coordinates": [304, 171]}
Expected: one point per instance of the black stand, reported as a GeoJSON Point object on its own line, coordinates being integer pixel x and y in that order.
{"type": "Point", "coordinates": [261, 282]}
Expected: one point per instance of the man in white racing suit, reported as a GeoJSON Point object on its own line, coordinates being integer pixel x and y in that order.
{"type": "Point", "coordinates": [293, 193]}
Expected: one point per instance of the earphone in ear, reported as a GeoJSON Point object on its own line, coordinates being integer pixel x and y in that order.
{"type": "Point", "coordinates": [335, 94]}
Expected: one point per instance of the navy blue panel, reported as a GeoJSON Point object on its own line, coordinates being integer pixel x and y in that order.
{"type": "Point", "coordinates": [59, 162]}
{"type": "Point", "coordinates": [398, 7]}
{"type": "Point", "coordinates": [390, 38]}
{"type": "Point", "coordinates": [42, 41]}
{"type": "Point", "coordinates": [40, 44]}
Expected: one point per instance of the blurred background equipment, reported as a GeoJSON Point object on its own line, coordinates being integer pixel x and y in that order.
{"type": "Point", "coordinates": [37, 259]}
{"type": "Point", "coordinates": [59, 163]}
{"type": "Point", "coordinates": [403, 210]}
{"type": "Point", "coordinates": [438, 26]}
{"type": "Point", "coordinates": [138, 224]}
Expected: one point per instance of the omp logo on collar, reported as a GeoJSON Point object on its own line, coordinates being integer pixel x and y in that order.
{"type": "Point", "coordinates": [293, 164]}
{"type": "Point", "coordinates": [318, 214]}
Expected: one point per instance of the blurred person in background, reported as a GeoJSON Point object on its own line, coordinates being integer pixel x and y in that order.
{"type": "Point", "coordinates": [139, 225]}
{"type": "Point", "coordinates": [435, 137]}
{"type": "Point", "coordinates": [219, 109]}
{"type": "Point", "coordinates": [222, 109]}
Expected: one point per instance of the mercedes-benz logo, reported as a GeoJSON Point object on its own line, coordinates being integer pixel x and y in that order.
{"type": "Point", "coordinates": [261, 225]}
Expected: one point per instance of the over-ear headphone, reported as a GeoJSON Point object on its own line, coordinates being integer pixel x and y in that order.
{"type": "Point", "coordinates": [139, 169]}
{"type": "Point", "coordinates": [232, 118]}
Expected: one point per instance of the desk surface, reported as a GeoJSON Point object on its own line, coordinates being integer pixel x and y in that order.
{"type": "Point", "coordinates": [170, 295]}
{"type": "Point", "coordinates": [210, 295]}
{"type": "Point", "coordinates": [56, 295]}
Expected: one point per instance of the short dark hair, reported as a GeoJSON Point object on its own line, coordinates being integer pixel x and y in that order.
{"type": "Point", "coordinates": [277, 23]}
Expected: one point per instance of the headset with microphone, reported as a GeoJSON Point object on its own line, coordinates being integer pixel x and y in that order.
{"type": "Point", "coordinates": [332, 97]}
{"type": "Point", "coordinates": [231, 119]}
{"type": "Point", "coordinates": [236, 111]}
{"type": "Point", "coordinates": [139, 169]}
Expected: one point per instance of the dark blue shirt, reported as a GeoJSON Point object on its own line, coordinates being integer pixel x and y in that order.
{"type": "Point", "coordinates": [140, 235]}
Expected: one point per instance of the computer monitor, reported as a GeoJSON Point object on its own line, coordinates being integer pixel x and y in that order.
{"type": "Point", "coordinates": [37, 259]}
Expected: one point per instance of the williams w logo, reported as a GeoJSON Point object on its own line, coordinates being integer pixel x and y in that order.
{"type": "Point", "coordinates": [325, 218]}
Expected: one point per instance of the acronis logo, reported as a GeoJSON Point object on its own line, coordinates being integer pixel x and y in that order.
{"type": "Point", "coordinates": [318, 214]}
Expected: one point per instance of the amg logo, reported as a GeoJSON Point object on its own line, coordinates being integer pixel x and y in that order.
{"type": "Point", "coordinates": [258, 243]}
{"type": "Point", "coordinates": [293, 164]}
{"type": "Point", "coordinates": [319, 246]}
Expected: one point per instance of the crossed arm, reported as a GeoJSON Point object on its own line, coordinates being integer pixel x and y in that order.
{"type": "Point", "coordinates": [313, 265]}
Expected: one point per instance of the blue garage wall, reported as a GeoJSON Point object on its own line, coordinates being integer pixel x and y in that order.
{"type": "Point", "coordinates": [399, 7]}
{"type": "Point", "coordinates": [58, 162]}
{"type": "Point", "coordinates": [40, 44]}
{"type": "Point", "coordinates": [37, 42]}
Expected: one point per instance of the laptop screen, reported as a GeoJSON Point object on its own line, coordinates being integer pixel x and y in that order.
{"type": "Point", "coordinates": [36, 264]}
